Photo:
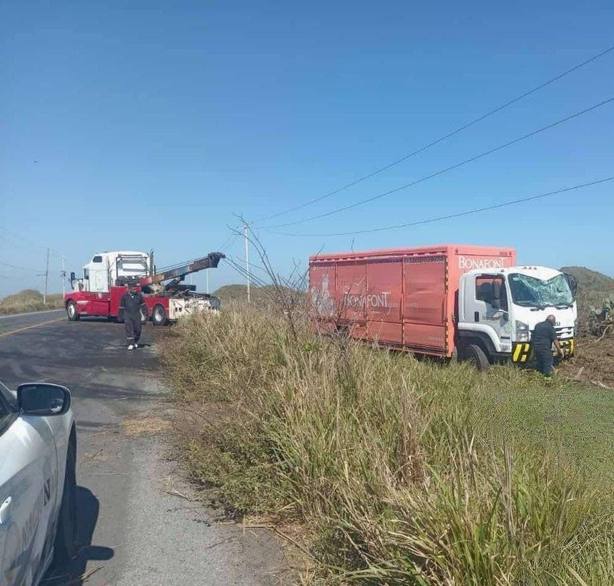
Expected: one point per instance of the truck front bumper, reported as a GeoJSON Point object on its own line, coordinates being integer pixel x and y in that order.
{"type": "Point", "coordinates": [522, 352]}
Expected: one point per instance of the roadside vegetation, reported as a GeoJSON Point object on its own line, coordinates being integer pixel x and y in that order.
{"type": "Point", "coordinates": [29, 300]}
{"type": "Point", "coordinates": [399, 471]}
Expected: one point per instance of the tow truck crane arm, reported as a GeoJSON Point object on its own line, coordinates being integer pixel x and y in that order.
{"type": "Point", "coordinates": [180, 272]}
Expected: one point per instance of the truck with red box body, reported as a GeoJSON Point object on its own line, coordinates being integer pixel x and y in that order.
{"type": "Point", "coordinates": [108, 275]}
{"type": "Point", "coordinates": [469, 302]}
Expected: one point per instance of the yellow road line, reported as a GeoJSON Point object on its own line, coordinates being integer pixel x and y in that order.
{"type": "Point", "coordinates": [31, 327]}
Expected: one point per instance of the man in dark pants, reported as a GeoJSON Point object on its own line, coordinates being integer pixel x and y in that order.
{"type": "Point", "coordinates": [544, 335]}
{"type": "Point", "coordinates": [132, 304]}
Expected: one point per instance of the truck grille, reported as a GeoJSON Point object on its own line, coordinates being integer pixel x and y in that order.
{"type": "Point", "coordinates": [564, 332]}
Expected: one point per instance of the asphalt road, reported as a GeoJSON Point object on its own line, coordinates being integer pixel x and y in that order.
{"type": "Point", "coordinates": [138, 520]}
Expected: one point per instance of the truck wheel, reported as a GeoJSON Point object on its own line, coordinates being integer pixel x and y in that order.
{"type": "Point", "coordinates": [158, 316]}
{"type": "Point", "coordinates": [71, 311]}
{"type": "Point", "coordinates": [475, 355]}
{"type": "Point", "coordinates": [65, 546]}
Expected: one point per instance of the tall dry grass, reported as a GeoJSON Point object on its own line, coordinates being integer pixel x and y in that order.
{"type": "Point", "coordinates": [28, 301]}
{"type": "Point", "coordinates": [395, 465]}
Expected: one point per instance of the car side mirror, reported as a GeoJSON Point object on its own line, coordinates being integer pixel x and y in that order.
{"type": "Point", "coordinates": [43, 399]}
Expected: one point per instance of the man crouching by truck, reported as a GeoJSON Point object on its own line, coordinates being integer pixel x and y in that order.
{"type": "Point", "coordinates": [132, 304]}
{"type": "Point", "coordinates": [544, 335]}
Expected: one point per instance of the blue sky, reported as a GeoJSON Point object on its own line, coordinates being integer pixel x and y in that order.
{"type": "Point", "coordinates": [150, 124]}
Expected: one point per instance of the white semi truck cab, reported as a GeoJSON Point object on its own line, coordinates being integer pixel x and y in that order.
{"type": "Point", "coordinates": [109, 269]}
{"type": "Point", "coordinates": [500, 309]}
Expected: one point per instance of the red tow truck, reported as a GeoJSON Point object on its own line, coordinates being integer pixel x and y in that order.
{"type": "Point", "coordinates": [109, 274]}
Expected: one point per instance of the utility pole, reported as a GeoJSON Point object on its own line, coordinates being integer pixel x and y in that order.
{"type": "Point", "coordinates": [46, 279]}
{"type": "Point", "coordinates": [207, 274]}
{"type": "Point", "coordinates": [63, 275]}
{"type": "Point", "coordinates": [247, 260]}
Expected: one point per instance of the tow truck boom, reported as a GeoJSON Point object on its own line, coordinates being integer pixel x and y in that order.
{"type": "Point", "coordinates": [180, 272]}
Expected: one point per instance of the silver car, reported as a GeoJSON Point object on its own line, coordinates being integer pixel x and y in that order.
{"type": "Point", "coordinates": [38, 448]}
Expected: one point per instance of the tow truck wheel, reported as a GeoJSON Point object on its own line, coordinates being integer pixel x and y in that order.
{"type": "Point", "coordinates": [475, 355]}
{"type": "Point", "coordinates": [71, 311]}
{"type": "Point", "coordinates": [158, 316]}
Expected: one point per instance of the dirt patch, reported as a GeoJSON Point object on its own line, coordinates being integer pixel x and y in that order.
{"type": "Point", "coordinates": [593, 363]}
{"type": "Point", "coordinates": [146, 426]}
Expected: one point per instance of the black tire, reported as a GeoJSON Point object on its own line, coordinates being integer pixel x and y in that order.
{"type": "Point", "coordinates": [158, 316]}
{"type": "Point", "coordinates": [71, 311]}
{"type": "Point", "coordinates": [475, 355]}
{"type": "Point", "coordinates": [65, 546]}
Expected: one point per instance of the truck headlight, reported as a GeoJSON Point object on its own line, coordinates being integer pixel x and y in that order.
{"type": "Point", "coordinates": [522, 332]}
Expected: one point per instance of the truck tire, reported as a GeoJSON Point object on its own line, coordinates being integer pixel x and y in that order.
{"type": "Point", "coordinates": [475, 355]}
{"type": "Point", "coordinates": [65, 546]}
{"type": "Point", "coordinates": [158, 316]}
{"type": "Point", "coordinates": [71, 311]}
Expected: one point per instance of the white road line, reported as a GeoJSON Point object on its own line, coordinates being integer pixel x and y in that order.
{"type": "Point", "coordinates": [30, 313]}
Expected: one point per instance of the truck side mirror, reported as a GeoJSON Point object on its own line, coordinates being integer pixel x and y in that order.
{"type": "Point", "coordinates": [73, 278]}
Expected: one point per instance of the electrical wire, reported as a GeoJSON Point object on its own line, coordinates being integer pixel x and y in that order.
{"type": "Point", "coordinates": [456, 215]}
{"type": "Point", "coordinates": [4, 264]}
{"type": "Point", "coordinates": [243, 272]}
{"type": "Point", "coordinates": [446, 169]}
{"type": "Point", "coordinates": [442, 138]}
{"type": "Point", "coordinates": [228, 241]}
{"type": "Point", "coordinates": [52, 251]}
{"type": "Point", "coordinates": [251, 264]}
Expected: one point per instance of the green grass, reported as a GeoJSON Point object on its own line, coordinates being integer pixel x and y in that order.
{"type": "Point", "coordinates": [29, 300]}
{"type": "Point", "coordinates": [405, 471]}
{"type": "Point", "coordinates": [572, 420]}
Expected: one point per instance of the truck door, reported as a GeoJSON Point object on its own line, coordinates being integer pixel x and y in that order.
{"type": "Point", "coordinates": [28, 488]}
{"type": "Point", "coordinates": [424, 303]}
{"type": "Point", "coordinates": [99, 276]}
{"type": "Point", "coordinates": [488, 306]}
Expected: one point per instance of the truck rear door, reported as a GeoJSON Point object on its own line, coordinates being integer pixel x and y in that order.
{"type": "Point", "coordinates": [424, 303]}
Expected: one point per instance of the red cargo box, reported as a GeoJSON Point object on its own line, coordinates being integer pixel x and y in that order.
{"type": "Point", "coordinates": [404, 298]}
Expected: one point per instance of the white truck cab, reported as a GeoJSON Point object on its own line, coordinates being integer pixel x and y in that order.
{"type": "Point", "coordinates": [107, 269]}
{"type": "Point", "coordinates": [500, 309]}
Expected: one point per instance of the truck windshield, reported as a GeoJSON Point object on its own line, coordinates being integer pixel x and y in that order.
{"type": "Point", "coordinates": [532, 292]}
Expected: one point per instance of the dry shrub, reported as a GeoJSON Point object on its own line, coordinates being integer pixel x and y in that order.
{"type": "Point", "coordinates": [389, 459]}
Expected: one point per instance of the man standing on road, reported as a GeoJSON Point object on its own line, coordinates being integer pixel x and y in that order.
{"type": "Point", "coordinates": [132, 304]}
{"type": "Point", "coordinates": [544, 335]}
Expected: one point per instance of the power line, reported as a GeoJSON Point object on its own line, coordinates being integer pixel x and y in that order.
{"type": "Point", "coordinates": [458, 214]}
{"type": "Point", "coordinates": [442, 138]}
{"type": "Point", "coordinates": [242, 271]}
{"type": "Point", "coordinates": [53, 251]}
{"type": "Point", "coordinates": [4, 264]}
{"type": "Point", "coordinates": [228, 241]}
{"type": "Point", "coordinates": [446, 169]}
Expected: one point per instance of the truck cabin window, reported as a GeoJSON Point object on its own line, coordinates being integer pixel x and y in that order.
{"type": "Point", "coordinates": [492, 291]}
{"type": "Point", "coordinates": [97, 259]}
{"type": "Point", "coordinates": [532, 292]}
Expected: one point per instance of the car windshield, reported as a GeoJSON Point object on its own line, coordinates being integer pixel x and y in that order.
{"type": "Point", "coordinates": [532, 292]}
